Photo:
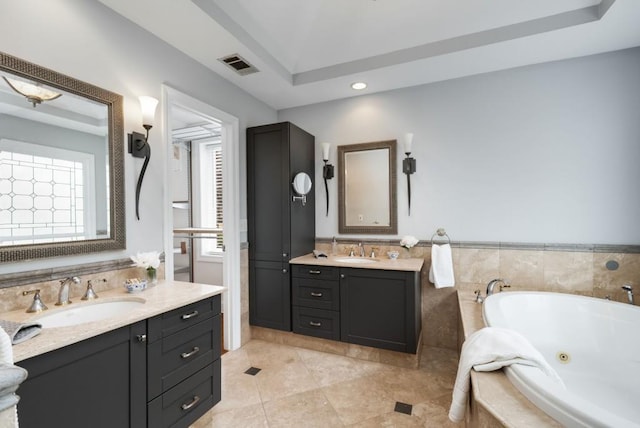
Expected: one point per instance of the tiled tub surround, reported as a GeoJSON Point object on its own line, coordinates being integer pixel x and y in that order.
{"type": "Point", "coordinates": [165, 296]}
{"type": "Point", "coordinates": [494, 400]}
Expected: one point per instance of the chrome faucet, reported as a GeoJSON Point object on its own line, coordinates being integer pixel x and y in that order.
{"type": "Point", "coordinates": [629, 291]}
{"type": "Point", "coordinates": [361, 249]}
{"type": "Point", "coordinates": [491, 285]}
{"type": "Point", "coordinates": [63, 294]}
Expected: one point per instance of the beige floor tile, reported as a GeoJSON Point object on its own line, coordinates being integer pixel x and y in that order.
{"type": "Point", "coordinates": [308, 409]}
{"type": "Point", "coordinates": [360, 399]}
{"type": "Point", "coordinates": [390, 420]}
{"type": "Point", "coordinates": [288, 379]}
{"type": "Point", "coordinates": [245, 417]}
{"type": "Point", "coordinates": [328, 369]}
{"type": "Point", "coordinates": [264, 355]}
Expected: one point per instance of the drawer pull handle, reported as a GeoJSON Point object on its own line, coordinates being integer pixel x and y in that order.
{"type": "Point", "coordinates": [189, 354]}
{"type": "Point", "coordinates": [315, 324]}
{"type": "Point", "coordinates": [316, 294]}
{"type": "Point", "coordinates": [191, 315]}
{"type": "Point", "coordinates": [141, 337]}
{"type": "Point", "coordinates": [315, 272]}
{"type": "Point", "coordinates": [194, 401]}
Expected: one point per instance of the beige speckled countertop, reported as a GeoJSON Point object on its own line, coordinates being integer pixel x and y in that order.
{"type": "Point", "coordinates": [165, 296]}
{"type": "Point", "coordinates": [493, 390]}
{"type": "Point", "coordinates": [414, 265]}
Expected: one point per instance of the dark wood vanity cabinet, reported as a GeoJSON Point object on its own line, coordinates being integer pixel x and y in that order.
{"type": "Point", "coordinates": [372, 307]}
{"type": "Point", "coordinates": [381, 308]}
{"type": "Point", "coordinates": [160, 372]}
{"type": "Point", "coordinates": [278, 228]}
{"type": "Point", "coordinates": [99, 382]}
{"type": "Point", "coordinates": [183, 366]}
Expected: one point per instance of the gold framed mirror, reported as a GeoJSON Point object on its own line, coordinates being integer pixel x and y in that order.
{"type": "Point", "coordinates": [61, 164]}
{"type": "Point", "coordinates": [367, 188]}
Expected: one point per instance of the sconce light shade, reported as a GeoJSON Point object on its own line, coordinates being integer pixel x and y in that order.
{"type": "Point", "coordinates": [35, 94]}
{"type": "Point", "coordinates": [148, 106]}
{"type": "Point", "coordinates": [407, 141]}
{"type": "Point", "coordinates": [325, 151]}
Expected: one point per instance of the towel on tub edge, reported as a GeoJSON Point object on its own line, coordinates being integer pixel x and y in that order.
{"type": "Point", "coordinates": [441, 270]}
{"type": "Point", "coordinates": [488, 349]}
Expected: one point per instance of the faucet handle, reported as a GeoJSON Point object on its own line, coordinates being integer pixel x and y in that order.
{"type": "Point", "coordinates": [351, 253]}
{"type": "Point", "coordinates": [90, 294]}
{"type": "Point", "coordinates": [627, 287]}
{"type": "Point", "coordinates": [37, 305]}
{"type": "Point", "coordinates": [374, 251]}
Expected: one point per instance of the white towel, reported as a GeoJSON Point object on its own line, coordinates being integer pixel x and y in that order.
{"type": "Point", "coordinates": [492, 348]}
{"type": "Point", "coordinates": [9, 414]}
{"type": "Point", "coordinates": [441, 270]}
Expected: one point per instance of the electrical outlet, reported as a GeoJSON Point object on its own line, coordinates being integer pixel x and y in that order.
{"type": "Point", "coordinates": [360, 217]}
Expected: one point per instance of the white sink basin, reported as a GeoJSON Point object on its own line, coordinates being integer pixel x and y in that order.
{"type": "Point", "coordinates": [74, 315]}
{"type": "Point", "coordinates": [358, 260]}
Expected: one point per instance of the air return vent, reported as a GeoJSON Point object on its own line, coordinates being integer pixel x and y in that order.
{"type": "Point", "coordinates": [238, 64]}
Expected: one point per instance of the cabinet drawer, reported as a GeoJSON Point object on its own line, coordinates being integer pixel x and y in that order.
{"type": "Point", "coordinates": [316, 322]}
{"type": "Point", "coordinates": [181, 318]}
{"type": "Point", "coordinates": [316, 272]}
{"type": "Point", "coordinates": [316, 293]}
{"type": "Point", "coordinates": [187, 401]}
{"type": "Point", "coordinates": [180, 355]}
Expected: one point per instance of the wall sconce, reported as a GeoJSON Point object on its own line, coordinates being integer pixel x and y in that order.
{"type": "Point", "coordinates": [408, 163]}
{"type": "Point", "coordinates": [138, 144]}
{"type": "Point", "coordinates": [327, 170]}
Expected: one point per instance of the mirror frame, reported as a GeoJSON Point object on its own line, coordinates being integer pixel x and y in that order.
{"type": "Point", "coordinates": [392, 228]}
{"type": "Point", "coordinates": [113, 101]}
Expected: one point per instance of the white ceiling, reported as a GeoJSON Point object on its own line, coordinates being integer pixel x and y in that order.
{"type": "Point", "coordinates": [309, 51]}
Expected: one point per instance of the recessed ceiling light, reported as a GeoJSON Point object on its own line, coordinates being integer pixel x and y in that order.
{"type": "Point", "coordinates": [358, 86]}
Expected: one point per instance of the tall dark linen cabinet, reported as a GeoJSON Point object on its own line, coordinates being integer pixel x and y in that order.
{"type": "Point", "coordinates": [279, 228]}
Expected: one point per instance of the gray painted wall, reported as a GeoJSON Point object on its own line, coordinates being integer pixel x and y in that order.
{"type": "Point", "coordinates": [546, 153]}
{"type": "Point", "coordinates": [88, 41]}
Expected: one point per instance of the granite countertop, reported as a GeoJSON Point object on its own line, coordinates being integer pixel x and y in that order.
{"type": "Point", "coordinates": [165, 296]}
{"type": "Point", "coordinates": [493, 390]}
{"type": "Point", "coordinates": [414, 265]}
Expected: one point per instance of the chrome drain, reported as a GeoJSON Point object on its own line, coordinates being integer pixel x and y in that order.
{"type": "Point", "coordinates": [563, 357]}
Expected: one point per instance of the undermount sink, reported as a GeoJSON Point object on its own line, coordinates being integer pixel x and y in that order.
{"type": "Point", "coordinates": [75, 315]}
{"type": "Point", "coordinates": [358, 260]}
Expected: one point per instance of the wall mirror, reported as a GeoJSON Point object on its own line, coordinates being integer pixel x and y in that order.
{"type": "Point", "coordinates": [367, 188]}
{"type": "Point", "coordinates": [61, 164]}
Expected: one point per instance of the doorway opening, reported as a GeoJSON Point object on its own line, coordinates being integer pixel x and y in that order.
{"type": "Point", "coordinates": [202, 241]}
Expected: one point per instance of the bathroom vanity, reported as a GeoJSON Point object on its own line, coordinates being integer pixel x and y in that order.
{"type": "Point", "coordinates": [157, 367]}
{"type": "Point", "coordinates": [371, 302]}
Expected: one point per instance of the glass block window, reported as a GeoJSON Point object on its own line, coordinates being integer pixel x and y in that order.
{"type": "Point", "coordinates": [44, 194]}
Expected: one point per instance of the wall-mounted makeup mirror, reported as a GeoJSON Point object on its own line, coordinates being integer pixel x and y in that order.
{"type": "Point", "coordinates": [301, 185]}
{"type": "Point", "coordinates": [61, 165]}
{"type": "Point", "coordinates": [367, 188]}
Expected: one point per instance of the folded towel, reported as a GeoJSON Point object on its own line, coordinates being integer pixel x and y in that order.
{"type": "Point", "coordinates": [489, 349]}
{"type": "Point", "coordinates": [19, 332]}
{"type": "Point", "coordinates": [8, 401]}
{"type": "Point", "coordinates": [10, 378]}
{"type": "Point", "coordinates": [441, 270]}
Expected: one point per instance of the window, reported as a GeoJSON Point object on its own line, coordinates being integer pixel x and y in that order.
{"type": "Point", "coordinates": [210, 195]}
{"type": "Point", "coordinates": [44, 194]}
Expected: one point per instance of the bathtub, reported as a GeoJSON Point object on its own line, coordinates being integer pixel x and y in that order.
{"type": "Point", "coordinates": [593, 344]}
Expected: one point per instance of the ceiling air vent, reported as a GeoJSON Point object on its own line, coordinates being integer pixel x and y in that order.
{"type": "Point", "coordinates": [238, 64]}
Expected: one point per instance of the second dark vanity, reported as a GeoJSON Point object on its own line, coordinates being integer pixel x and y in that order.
{"type": "Point", "coordinates": [377, 305]}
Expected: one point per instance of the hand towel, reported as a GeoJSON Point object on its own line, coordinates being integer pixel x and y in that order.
{"type": "Point", "coordinates": [492, 348]}
{"type": "Point", "coordinates": [12, 374]}
{"type": "Point", "coordinates": [441, 270]}
{"type": "Point", "coordinates": [19, 332]}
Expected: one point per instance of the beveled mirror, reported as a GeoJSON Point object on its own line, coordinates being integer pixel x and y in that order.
{"type": "Point", "coordinates": [61, 164]}
{"type": "Point", "coordinates": [367, 188]}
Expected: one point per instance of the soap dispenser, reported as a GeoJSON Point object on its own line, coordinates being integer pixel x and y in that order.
{"type": "Point", "coordinates": [334, 247]}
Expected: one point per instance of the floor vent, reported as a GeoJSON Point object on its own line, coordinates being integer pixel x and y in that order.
{"type": "Point", "coordinates": [238, 64]}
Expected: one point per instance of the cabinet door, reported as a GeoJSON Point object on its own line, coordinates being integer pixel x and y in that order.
{"type": "Point", "coordinates": [377, 308]}
{"type": "Point", "coordinates": [268, 191]}
{"type": "Point", "coordinates": [269, 295]}
{"type": "Point", "coordinates": [99, 382]}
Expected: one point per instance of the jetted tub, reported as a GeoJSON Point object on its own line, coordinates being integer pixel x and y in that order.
{"type": "Point", "coordinates": [593, 344]}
